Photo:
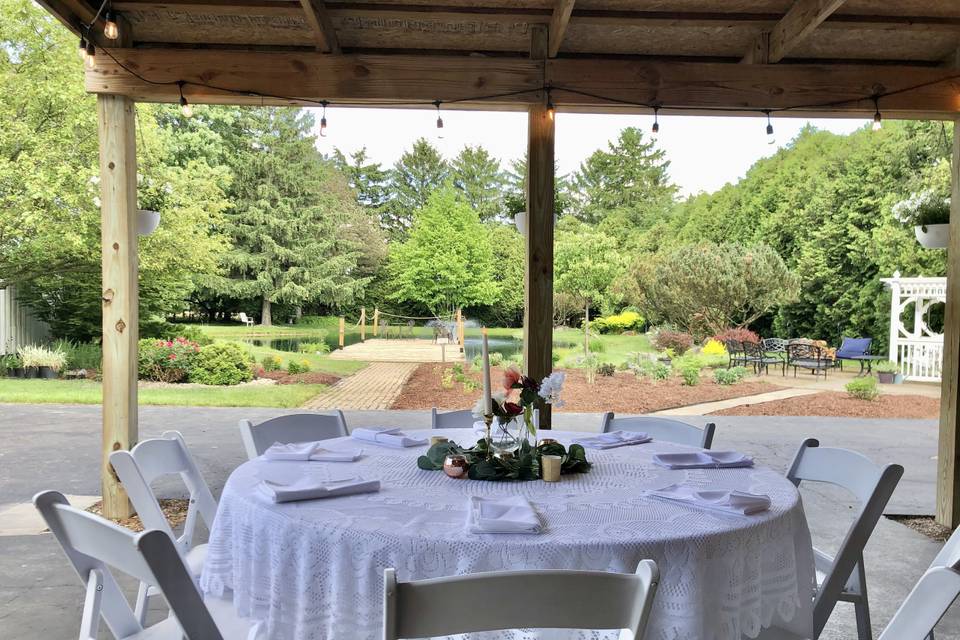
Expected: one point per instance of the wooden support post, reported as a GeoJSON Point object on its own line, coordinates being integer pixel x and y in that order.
{"type": "Point", "coordinates": [948, 453]}
{"type": "Point", "coordinates": [343, 327]}
{"type": "Point", "coordinates": [118, 195]}
{"type": "Point", "coordinates": [460, 336]}
{"type": "Point", "coordinates": [376, 321]}
{"type": "Point", "coordinates": [363, 324]}
{"type": "Point", "coordinates": [538, 271]}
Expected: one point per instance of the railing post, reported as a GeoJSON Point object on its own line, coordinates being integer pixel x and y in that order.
{"type": "Point", "coordinates": [376, 321]}
{"type": "Point", "coordinates": [895, 319]}
{"type": "Point", "coordinates": [363, 324]}
{"type": "Point", "coordinates": [343, 324]}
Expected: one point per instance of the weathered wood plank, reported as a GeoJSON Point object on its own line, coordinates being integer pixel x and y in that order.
{"type": "Point", "coordinates": [948, 449]}
{"type": "Point", "coordinates": [118, 194]}
{"type": "Point", "coordinates": [802, 18]}
{"type": "Point", "coordinates": [372, 79]}
{"type": "Point", "coordinates": [319, 19]}
{"type": "Point", "coordinates": [558, 25]}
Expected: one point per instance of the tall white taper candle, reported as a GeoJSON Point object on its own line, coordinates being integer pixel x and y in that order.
{"type": "Point", "coordinates": [487, 400]}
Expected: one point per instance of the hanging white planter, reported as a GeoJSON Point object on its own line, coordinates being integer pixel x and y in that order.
{"type": "Point", "coordinates": [933, 236]}
{"type": "Point", "coordinates": [147, 221]}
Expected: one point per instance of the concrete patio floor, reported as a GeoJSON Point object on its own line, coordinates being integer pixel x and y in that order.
{"type": "Point", "coordinates": [56, 446]}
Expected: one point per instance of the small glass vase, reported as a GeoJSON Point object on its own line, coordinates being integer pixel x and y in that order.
{"type": "Point", "coordinates": [508, 434]}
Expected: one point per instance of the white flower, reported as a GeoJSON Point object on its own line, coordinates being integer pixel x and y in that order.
{"type": "Point", "coordinates": [498, 398]}
{"type": "Point", "coordinates": [551, 387]}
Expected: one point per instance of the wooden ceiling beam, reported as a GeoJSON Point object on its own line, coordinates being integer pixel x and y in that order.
{"type": "Point", "coordinates": [319, 20]}
{"type": "Point", "coordinates": [687, 87]}
{"type": "Point", "coordinates": [799, 22]}
{"type": "Point", "coordinates": [558, 25]}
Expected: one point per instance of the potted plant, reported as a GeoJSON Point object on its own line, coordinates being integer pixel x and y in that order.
{"type": "Point", "coordinates": [30, 359]}
{"type": "Point", "coordinates": [52, 361]}
{"type": "Point", "coordinates": [10, 366]}
{"type": "Point", "coordinates": [928, 212]}
{"type": "Point", "coordinates": [886, 371]}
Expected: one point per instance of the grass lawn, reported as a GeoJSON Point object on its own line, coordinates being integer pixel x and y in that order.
{"type": "Point", "coordinates": [89, 392]}
{"type": "Point", "coordinates": [568, 344]}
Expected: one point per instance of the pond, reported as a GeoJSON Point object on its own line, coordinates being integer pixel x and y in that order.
{"type": "Point", "coordinates": [507, 346]}
{"type": "Point", "coordinates": [292, 345]}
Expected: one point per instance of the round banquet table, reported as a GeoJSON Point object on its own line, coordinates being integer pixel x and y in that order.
{"type": "Point", "coordinates": [314, 569]}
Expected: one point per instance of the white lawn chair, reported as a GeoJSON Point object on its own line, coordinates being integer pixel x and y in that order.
{"type": "Point", "coordinates": [299, 427]}
{"type": "Point", "coordinates": [663, 429]}
{"type": "Point", "coordinates": [245, 320]}
{"type": "Point", "coordinates": [138, 469]}
{"type": "Point", "coordinates": [929, 600]}
{"type": "Point", "coordinates": [452, 419]}
{"type": "Point", "coordinates": [519, 599]}
{"type": "Point", "coordinates": [843, 577]}
{"type": "Point", "coordinates": [93, 545]}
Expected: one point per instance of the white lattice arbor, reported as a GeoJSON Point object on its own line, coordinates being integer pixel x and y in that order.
{"type": "Point", "coordinates": [918, 350]}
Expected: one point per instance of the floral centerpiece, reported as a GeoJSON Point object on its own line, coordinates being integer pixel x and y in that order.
{"type": "Point", "coordinates": [513, 407]}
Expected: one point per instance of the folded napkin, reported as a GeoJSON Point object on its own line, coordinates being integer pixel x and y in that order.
{"type": "Point", "coordinates": [736, 502]}
{"type": "Point", "coordinates": [703, 460]}
{"type": "Point", "coordinates": [613, 439]}
{"type": "Point", "coordinates": [502, 515]}
{"type": "Point", "coordinates": [311, 488]}
{"type": "Point", "coordinates": [387, 437]}
{"type": "Point", "coordinates": [302, 451]}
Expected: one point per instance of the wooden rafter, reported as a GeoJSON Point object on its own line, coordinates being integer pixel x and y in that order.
{"type": "Point", "coordinates": [319, 20]}
{"type": "Point", "coordinates": [799, 22]}
{"type": "Point", "coordinates": [558, 25]}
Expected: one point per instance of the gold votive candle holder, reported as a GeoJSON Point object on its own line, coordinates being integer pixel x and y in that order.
{"type": "Point", "coordinates": [546, 441]}
{"type": "Point", "coordinates": [437, 440]}
{"type": "Point", "coordinates": [550, 468]}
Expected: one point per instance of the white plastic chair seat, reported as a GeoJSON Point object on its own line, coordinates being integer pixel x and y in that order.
{"type": "Point", "coordinates": [224, 615]}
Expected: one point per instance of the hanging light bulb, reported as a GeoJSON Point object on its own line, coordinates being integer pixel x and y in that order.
{"type": "Point", "coordinates": [436, 103]}
{"type": "Point", "coordinates": [771, 138]}
{"type": "Point", "coordinates": [90, 57]}
{"type": "Point", "coordinates": [110, 28]}
{"type": "Point", "coordinates": [551, 109]}
{"type": "Point", "coordinates": [323, 120]}
{"type": "Point", "coordinates": [655, 129]}
{"type": "Point", "coordinates": [877, 118]}
{"type": "Point", "coordinates": [185, 107]}
{"type": "Point", "coordinates": [82, 49]}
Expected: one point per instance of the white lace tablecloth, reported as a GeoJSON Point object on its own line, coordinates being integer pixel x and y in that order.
{"type": "Point", "coordinates": [314, 569]}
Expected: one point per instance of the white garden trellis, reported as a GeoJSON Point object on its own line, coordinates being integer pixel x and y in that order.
{"type": "Point", "coordinates": [918, 350]}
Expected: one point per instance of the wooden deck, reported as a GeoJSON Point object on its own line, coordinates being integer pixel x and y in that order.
{"type": "Point", "coordinates": [409, 350]}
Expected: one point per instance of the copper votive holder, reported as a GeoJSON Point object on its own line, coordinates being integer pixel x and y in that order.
{"type": "Point", "coordinates": [455, 466]}
{"type": "Point", "coordinates": [546, 441]}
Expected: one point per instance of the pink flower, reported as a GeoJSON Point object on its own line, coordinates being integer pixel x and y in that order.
{"type": "Point", "coordinates": [172, 356]}
{"type": "Point", "coordinates": [511, 377]}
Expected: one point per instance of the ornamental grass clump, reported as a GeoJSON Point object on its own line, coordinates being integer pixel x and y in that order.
{"type": "Point", "coordinates": [863, 388]}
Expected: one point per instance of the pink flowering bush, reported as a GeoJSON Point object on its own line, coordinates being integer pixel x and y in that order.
{"type": "Point", "coordinates": [167, 360]}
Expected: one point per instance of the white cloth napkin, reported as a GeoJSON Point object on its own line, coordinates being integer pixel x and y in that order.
{"type": "Point", "coordinates": [736, 502]}
{"type": "Point", "coordinates": [703, 460]}
{"type": "Point", "coordinates": [303, 451]}
{"type": "Point", "coordinates": [502, 515]}
{"type": "Point", "coordinates": [312, 488]}
{"type": "Point", "coordinates": [387, 437]}
{"type": "Point", "coordinates": [613, 439]}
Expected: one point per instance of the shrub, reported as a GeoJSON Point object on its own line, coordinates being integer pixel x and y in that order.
{"type": "Point", "coordinates": [193, 334]}
{"type": "Point", "coordinates": [863, 388]}
{"type": "Point", "coordinates": [314, 347]}
{"type": "Point", "coordinates": [659, 371]}
{"type": "Point", "coordinates": [713, 347]}
{"type": "Point", "coordinates": [222, 363]}
{"type": "Point", "coordinates": [298, 366]}
{"type": "Point", "coordinates": [8, 362]}
{"type": "Point", "coordinates": [82, 355]}
{"type": "Point", "coordinates": [676, 341]}
{"type": "Point", "coordinates": [606, 369]}
{"type": "Point", "coordinates": [740, 334]}
{"type": "Point", "coordinates": [690, 375]}
{"type": "Point", "coordinates": [446, 378]}
{"type": "Point", "coordinates": [597, 345]}
{"type": "Point", "coordinates": [624, 321]}
{"type": "Point", "coordinates": [166, 360]}
{"type": "Point", "coordinates": [271, 363]}
{"type": "Point", "coordinates": [496, 360]}
{"type": "Point", "coordinates": [729, 376]}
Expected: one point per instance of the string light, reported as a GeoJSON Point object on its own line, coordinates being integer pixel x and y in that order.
{"type": "Point", "coordinates": [185, 107]}
{"type": "Point", "coordinates": [655, 129]}
{"type": "Point", "coordinates": [437, 103]}
{"type": "Point", "coordinates": [551, 109]}
{"type": "Point", "coordinates": [770, 137]}
{"type": "Point", "coordinates": [110, 28]}
{"type": "Point", "coordinates": [82, 49]}
{"type": "Point", "coordinates": [877, 118]}
{"type": "Point", "coordinates": [323, 119]}
{"type": "Point", "coordinates": [90, 56]}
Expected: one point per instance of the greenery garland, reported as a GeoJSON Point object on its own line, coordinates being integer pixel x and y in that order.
{"type": "Point", "coordinates": [524, 465]}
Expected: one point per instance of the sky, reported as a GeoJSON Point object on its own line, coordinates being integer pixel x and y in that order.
{"type": "Point", "coordinates": [704, 152]}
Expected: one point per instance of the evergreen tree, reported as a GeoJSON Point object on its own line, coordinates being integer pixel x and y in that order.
{"type": "Point", "coordinates": [477, 175]}
{"type": "Point", "coordinates": [515, 200]}
{"type": "Point", "coordinates": [367, 179]}
{"type": "Point", "coordinates": [417, 174]}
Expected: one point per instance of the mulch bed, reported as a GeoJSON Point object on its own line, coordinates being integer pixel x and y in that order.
{"type": "Point", "coordinates": [621, 393]}
{"type": "Point", "coordinates": [313, 377]}
{"type": "Point", "coordinates": [836, 404]}
{"type": "Point", "coordinates": [925, 525]}
{"type": "Point", "coordinates": [175, 509]}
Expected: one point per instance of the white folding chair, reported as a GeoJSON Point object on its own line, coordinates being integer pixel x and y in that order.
{"type": "Point", "coordinates": [93, 545]}
{"type": "Point", "coordinates": [299, 427]}
{"type": "Point", "coordinates": [842, 577]}
{"type": "Point", "coordinates": [519, 599]}
{"type": "Point", "coordinates": [139, 468]}
{"type": "Point", "coordinates": [666, 429]}
{"type": "Point", "coordinates": [929, 600]}
{"type": "Point", "coordinates": [452, 419]}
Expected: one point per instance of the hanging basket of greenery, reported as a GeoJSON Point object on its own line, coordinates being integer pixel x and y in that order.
{"type": "Point", "coordinates": [928, 213]}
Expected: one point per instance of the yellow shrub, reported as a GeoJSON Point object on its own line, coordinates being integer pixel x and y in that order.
{"type": "Point", "coordinates": [714, 348]}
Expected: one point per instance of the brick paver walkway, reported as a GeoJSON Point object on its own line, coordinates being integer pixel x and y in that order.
{"type": "Point", "coordinates": [373, 387]}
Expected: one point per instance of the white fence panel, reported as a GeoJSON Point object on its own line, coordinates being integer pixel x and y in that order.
{"type": "Point", "coordinates": [921, 360]}
{"type": "Point", "coordinates": [17, 326]}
